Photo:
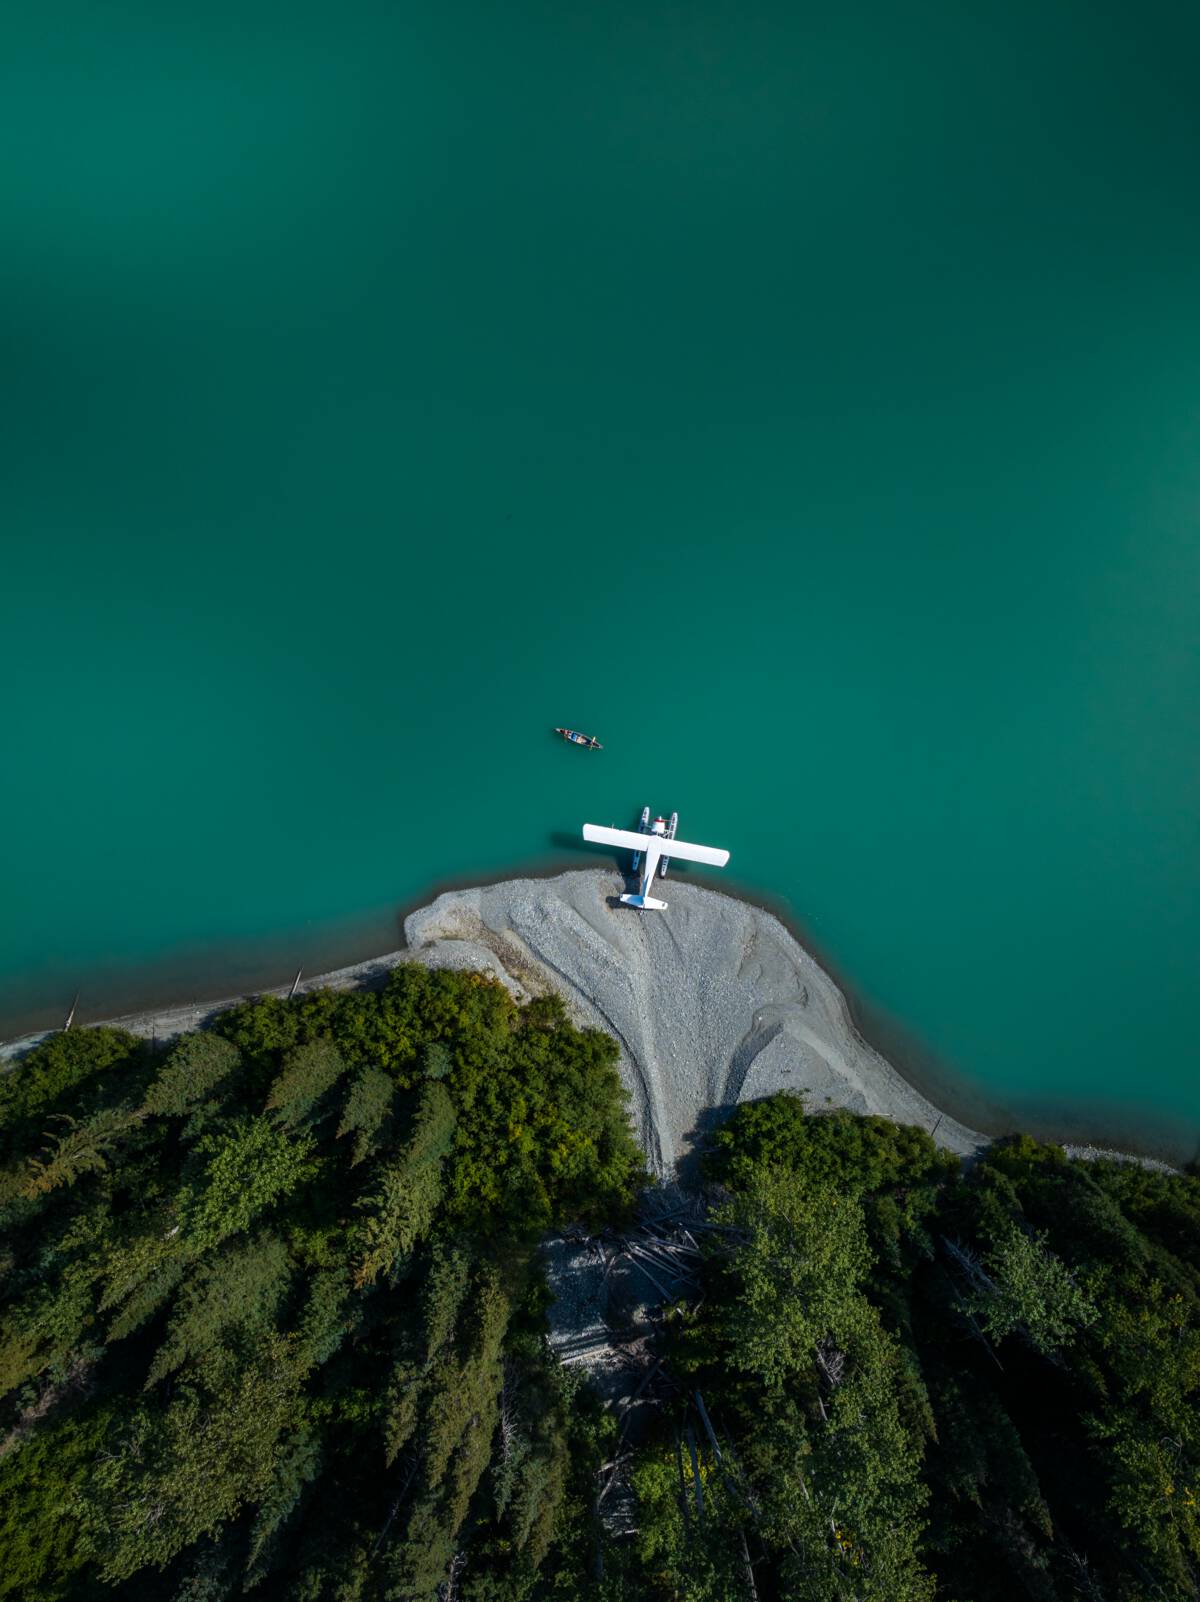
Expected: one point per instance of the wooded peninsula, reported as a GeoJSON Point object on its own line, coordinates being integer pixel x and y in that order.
{"type": "Point", "coordinates": [274, 1325]}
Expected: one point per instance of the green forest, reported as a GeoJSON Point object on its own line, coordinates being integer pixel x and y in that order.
{"type": "Point", "coordinates": [274, 1325]}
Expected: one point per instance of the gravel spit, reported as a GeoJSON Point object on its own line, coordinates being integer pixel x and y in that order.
{"type": "Point", "coordinates": [712, 1002]}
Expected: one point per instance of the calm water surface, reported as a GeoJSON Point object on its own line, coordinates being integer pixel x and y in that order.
{"type": "Point", "coordinates": [805, 400]}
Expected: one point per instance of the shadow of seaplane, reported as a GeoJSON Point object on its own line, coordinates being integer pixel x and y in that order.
{"type": "Point", "coordinates": [653, 845]}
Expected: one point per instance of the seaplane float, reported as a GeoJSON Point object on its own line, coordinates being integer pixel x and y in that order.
{"type": "Point", "coordinates": [653, 844]}
{"type": "Point", "coordinates": [574, 736]}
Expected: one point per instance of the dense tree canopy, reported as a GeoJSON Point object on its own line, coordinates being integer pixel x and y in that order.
{"type": "Point", "coordinates": [267, 1295]}
{"type": "Point", "coordinates": [272, 1325]}
{"type": "Point", "coordinates": [971, 1385]}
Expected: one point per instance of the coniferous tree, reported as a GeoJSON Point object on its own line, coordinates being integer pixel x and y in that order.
{"type": "Point", "coordinates": [369, 1105]}
{"type": "Point", "coordinates": [193, 1070]}
{"type": "Point", "coordinates": [401, 1208]}
{"type": "Point", "coordinates": [309, 1072]}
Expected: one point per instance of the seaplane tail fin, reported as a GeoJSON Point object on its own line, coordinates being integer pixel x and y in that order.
{"type": "Point", "coordinates": [685, 852]}
{"type": "Point", "coordinates": [599, 835]}
{"type": "Point", "coordinates": [645, 901]}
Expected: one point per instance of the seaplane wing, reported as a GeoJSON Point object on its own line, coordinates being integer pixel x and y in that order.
{"type": "Point", "coordinates": [633, 841]}
{"type": "Point", "coordinates": [694, 853]}
{"type": "Point", "coordinates": [618, 837]}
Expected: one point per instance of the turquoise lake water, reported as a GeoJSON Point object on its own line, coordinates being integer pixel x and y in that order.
{"type": "Point", "coordinates": [804, 399]}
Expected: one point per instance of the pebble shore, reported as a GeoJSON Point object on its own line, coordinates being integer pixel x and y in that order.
{"type": "Point", "coordinates": [712, 1002]}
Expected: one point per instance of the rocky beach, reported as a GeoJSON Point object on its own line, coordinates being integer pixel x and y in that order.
{"type": "Point", "coordinates": [712, 1002]}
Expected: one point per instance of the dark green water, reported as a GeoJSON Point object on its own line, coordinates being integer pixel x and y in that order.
{"type": "Point", "coordinates": [806, 400]}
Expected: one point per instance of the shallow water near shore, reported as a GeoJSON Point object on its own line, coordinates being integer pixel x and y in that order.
{"type": "Point", "coordinates": [804, 405]}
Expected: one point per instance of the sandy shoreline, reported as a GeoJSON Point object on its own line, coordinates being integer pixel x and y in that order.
{"type": "Point", "coordinates": [714, 1002]}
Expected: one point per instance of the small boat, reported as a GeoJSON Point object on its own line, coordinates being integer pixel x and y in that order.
{"type": "Point", "coordinates": [588, 740]}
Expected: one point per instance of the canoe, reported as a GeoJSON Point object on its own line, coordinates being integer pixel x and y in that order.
{"type": "Point", "coordinates": [588, 740]}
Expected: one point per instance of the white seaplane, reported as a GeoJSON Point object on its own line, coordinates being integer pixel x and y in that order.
{"type": "Point", "coordinates": [655, 841]}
